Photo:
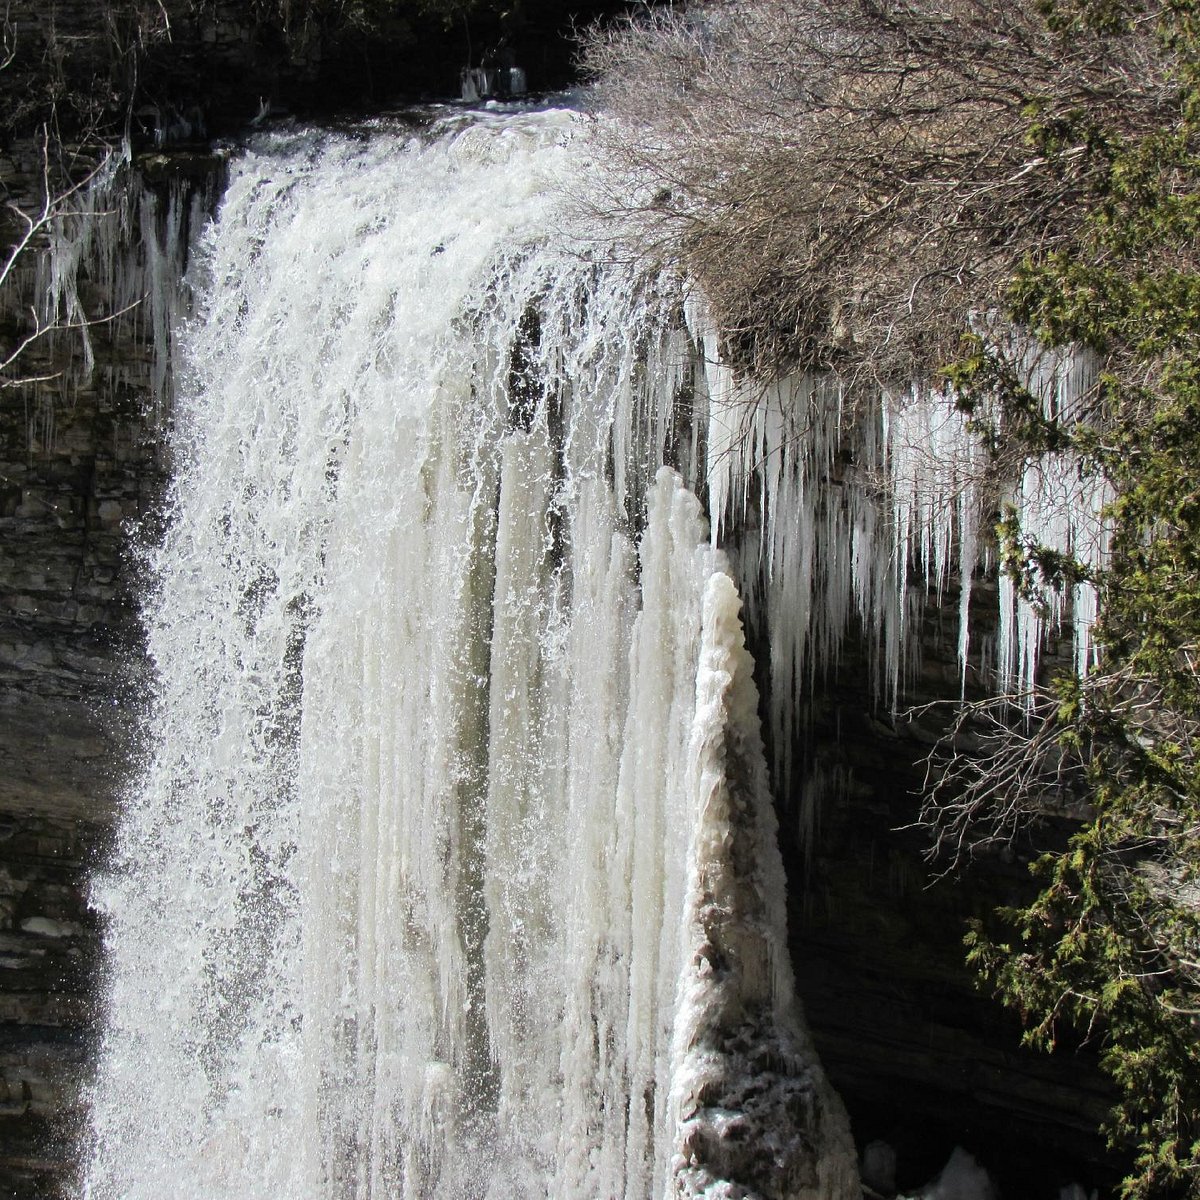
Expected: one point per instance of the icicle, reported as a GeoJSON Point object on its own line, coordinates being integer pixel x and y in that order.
{"type": "Point", "coordinates": [736, 989]}
{"type": "Point", "coordinates": [164, 242]}
{"type": "Point", "coordinates": [83, 237]}
{"type": "Point", "coordinates": [1060, 505]}
{"type": "Point", "coordinates": [833, 541]}
{"type": "Point", "coordinates": [111, 235]}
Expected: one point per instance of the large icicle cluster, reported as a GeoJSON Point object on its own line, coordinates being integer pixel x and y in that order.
{"type": "Point", "coordinates": [110, 262]}
{"type": "Point", "coordinates": [857, 510]}
{"type": "Point", "coordinates": [1059, 503]}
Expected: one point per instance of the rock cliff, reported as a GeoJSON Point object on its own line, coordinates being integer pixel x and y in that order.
{"type": "Point", "coordinates": [74, 471]}
{"type": "Point", "coordinates": [922, 1059]}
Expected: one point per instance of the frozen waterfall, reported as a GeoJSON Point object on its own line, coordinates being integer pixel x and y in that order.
{"type": "Point", "coordinates": [451, 871]}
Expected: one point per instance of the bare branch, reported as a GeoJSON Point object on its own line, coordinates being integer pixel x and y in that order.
{"type": "Point", "coordinates": [848, 181]}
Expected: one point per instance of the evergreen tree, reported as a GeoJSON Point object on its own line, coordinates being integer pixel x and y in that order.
{"type": "Point", "coordinates": [1111, 943]}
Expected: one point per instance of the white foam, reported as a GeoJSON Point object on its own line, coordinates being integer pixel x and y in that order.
{"type": "Point", "coordinates": [399, 902]}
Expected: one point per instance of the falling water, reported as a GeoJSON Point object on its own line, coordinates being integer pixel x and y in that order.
{"type": "Point", "coordinates": [451, 871]}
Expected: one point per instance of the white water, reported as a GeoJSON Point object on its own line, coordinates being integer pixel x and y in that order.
{"type": "Point", "coordinates": [452, 870]}
{"type": "Point", "coordinates": [416, 894]}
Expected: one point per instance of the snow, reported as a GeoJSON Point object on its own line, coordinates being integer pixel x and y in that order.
{"type": "Point", "coordinates": [962, 1178]}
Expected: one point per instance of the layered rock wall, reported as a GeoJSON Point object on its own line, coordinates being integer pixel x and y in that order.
{"type": "Point", "coordinates": [80, 479]}
{"type": "Point", "coordinates": [73, 471]}
{"type": "Point", "coordinates": [923, 1059]}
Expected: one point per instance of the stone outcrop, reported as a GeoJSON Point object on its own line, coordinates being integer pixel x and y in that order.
{"type": "Point", "coordinates": [80, 475]}
{"type": "Point", "coordinates": [921, 1058]}
{"type": "Point", "coordinates": [174, 69]}
{"type": "Point", "coordinates": [66, 637]}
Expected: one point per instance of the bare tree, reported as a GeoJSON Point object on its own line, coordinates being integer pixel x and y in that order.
{"type": "Point", "coordinates": [1006, 762]}
{"type": "Point", "coordinates": [999, 769]}
{"type": "Point", "coordinates": [849, 180]}
{"type": "Point", "coordinates": [32, 226]}
{"type": "Point", "coordinates": [68, 118]}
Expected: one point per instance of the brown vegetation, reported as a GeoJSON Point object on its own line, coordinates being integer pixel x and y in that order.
{"type": "Point", "coordinates": [848, 180]}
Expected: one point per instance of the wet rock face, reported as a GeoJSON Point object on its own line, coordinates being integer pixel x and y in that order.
{"type": "Point", "coordinates": [181, 69]}
{"type": "Point", "coordinates": [59, 753]}
{"type": "Point", "coordinates": [49, 955]}
{"type": "Point", "coordinates": [921, 1058]}
{"type": "Point", "coordinates": [757, 1123]}
{"type": "Point", "coordinates": [174, 69]}
{"type": "Point", "coordinates": [66, 647]}
{"type": "Point", "coordinates": [79, 471]}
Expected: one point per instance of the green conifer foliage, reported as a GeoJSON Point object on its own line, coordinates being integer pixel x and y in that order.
{"type": "Point", "coordinates": [1110, 946]}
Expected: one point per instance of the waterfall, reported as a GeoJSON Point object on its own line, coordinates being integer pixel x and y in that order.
{"type": "Point", "coordinates": [451, 868]}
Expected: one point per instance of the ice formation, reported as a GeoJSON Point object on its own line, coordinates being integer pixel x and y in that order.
{"type": "Point", "coordinates": [745, 1100]}
{"type": "Point", "coordinates": [110, 235]}
{"type": "Point", "coordinates": [843, 513]}
{"type": "Point", "coordinates": [855, 510]}
{"type": "Point", "coordinates": [962, 1178]}
{"type": "Point", "coordinates": [451, 871]}
{"type": "Point", "coordinates": [405, 902]}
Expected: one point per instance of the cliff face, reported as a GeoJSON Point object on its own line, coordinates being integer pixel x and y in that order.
{"type": "Point", "coordinates": [922, 1059]}
{"type": "Point", "coordinates": [168, 69]}
{"type": "Point", "coordinates": [81, 473]}
{"type": "Point", "coordinates": [73, 471]}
